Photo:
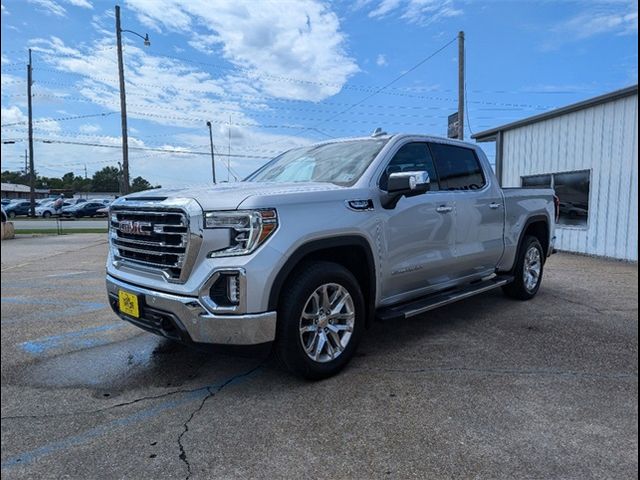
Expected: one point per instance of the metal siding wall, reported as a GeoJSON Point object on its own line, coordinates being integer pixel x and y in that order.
{"type": "Point", "coordinates": [603, 139]}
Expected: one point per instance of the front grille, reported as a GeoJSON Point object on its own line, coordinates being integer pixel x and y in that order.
{"type": "Point", "coordinates": [151, 239]}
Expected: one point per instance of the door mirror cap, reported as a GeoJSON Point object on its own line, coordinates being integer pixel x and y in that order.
{"type": "Point", "coordinates": [408, 182]}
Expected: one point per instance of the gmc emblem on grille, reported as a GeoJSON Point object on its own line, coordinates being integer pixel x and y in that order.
{"type": "Point", "coordinates": [135, 228]}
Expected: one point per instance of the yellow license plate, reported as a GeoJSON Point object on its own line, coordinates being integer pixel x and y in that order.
{"type": "Point", "coordinates": [128, 303]}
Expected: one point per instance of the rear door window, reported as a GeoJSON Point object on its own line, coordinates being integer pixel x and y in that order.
{"type": "Point", "coordinates": [458, 167]}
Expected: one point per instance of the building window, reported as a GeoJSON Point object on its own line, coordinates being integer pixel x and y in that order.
{"type": "Point", "coordinates": [537, 181]}
{"type": "Point", "coordinates": [572, 188]}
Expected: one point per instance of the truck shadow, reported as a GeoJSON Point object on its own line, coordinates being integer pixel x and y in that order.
{"type": "Point", "coordinates": [145, 360]}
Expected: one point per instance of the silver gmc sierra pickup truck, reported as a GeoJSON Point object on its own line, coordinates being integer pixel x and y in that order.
{"type": "Point", "coordinates": [322, 240]}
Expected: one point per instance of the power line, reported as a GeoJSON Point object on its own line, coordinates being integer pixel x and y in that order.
{"type": "Point", "coordinates": [173, 89]}
{"type": "Point", "coordinates": [160, 150]}
{"type": "Point", "coordinates": [399, 77]}
{"type": "Point", "coordinates": [60, 119]}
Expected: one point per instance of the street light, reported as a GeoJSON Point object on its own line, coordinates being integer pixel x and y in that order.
{"type": "Point", "coordinates": [147, 42]}
{"type": "Point", "coordinates": [123, 100]}
{"type": "Point", "coordinates": [213, 160]}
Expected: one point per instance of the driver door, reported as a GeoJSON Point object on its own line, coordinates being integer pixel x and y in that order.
{"type": "Point", "coordinates": [420, 231]}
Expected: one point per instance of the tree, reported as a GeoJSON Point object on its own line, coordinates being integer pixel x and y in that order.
{"type": "Point", "coordinates": [139, 184]}
{"type": "Point", "coordinates": [15, 177]}
{"type": "Point", "coordinates": [106, 180]}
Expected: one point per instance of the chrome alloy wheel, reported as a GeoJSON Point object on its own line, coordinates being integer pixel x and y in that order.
{"type": "Point", "coordinates": [327, 322]}
{"type": "Point", "coordinates": [532, 268]}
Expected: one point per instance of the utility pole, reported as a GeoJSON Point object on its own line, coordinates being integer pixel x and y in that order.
{"type": "Point", "coordinates": [32, 176]}
{"type": "Point", "coordinates": [461, 85]}
{"type": "Point", "coordinates": [123, 100]}
{"type": "Point", "coordinates": [124, 189]}
{"type": "Point", "coordinates": [26, 163]}
{"type": "Point", "coordinates": [229, 154]}
{"type": "Point", "coordinates": [85, 181]}
{"type": "Point", "coordinates": [213, 159]}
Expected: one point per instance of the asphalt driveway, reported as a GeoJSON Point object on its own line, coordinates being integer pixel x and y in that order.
{"type": "Point", "coordinates": [486, 388]}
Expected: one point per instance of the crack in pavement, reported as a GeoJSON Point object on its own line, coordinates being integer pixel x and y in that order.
{"type": "Point", "coordinates": [211, 392]}
{"type": "Point", "coordinates": [104, 409]}
{"type": "Point", "coordinates": [576, 302]}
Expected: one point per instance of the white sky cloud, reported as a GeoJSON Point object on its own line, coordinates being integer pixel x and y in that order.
{"type": "Point", "coordinates": [597, 17]}
{"type": "Point", "coordinates": [381, 60]}
{"type": "Point", "coordinates": [56, 8]}
{"type": "Point", "coordinates": [49, 6]}
{"type": "Point", "coordinates": [421, 12]}
{"type": "Point", "coordinates": [165, 92]}
{"type": "Point", "coordinates": [89, 128]}
{"type": "Point", "coordinates": [12, 115]}
{"type": "Point", "coordinates": [80, 3]}
{"type": "Point", "coordinates": [271, 46]}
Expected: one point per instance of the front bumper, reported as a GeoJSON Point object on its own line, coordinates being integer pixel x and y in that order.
{"type": "Point", "coordinates": [186, 319]}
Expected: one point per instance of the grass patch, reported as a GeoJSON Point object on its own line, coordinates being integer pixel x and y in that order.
{"type": "Point", "coordinates": [54, 231]}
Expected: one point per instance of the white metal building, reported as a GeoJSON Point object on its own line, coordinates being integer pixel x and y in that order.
{"type": "Point", "coordinates": [588, 152]}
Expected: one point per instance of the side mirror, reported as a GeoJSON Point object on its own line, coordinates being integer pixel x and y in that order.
{"type": "Point", "coordinates": [405, 184]}
{"type": "Point", "coordinates": [408, 182]}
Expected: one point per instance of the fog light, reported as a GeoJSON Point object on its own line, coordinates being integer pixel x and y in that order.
{"type": "Point", "coordinates": [225, 292]}
{"type": "Point", "coordinates": [233, 289]}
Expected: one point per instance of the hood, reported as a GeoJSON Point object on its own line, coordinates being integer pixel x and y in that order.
{"type": "Point", "coordinates": [229, 196]}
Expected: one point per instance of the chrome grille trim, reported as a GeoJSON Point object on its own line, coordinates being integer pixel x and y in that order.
{"type": "Point", "coordinates": [182, 244]}
{"type": "Point", "coordinates": [165, 242]}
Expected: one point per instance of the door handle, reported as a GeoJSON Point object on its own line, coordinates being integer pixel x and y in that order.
{"type": "Point", "coordinates": [494, 205]}
{"type": "Point", "coordinates": [444, 209]}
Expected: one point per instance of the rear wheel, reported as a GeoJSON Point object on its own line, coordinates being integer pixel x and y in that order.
{"type": "Point", "coordinates": [12, 215]}
{"type": "Point", "coordinates": [528, 271]}
{"type": "Point", "coordinates": [320, 320]}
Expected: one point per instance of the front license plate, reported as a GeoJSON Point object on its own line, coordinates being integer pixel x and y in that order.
{"type": "Point", "coordinates": [128, 304]}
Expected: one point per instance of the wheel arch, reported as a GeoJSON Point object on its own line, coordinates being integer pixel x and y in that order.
{"type": "Point", "coordinates": [351, 251]}
{"type": "Point", "coordinates": [537, 226]}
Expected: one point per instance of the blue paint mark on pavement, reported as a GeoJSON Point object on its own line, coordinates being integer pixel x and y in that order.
{"type": "Point", "coordinates": [87, 337]}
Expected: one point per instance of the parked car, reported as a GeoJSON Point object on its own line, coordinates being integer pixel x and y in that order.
{"type": "Point", "coordinates": [4, 215]}
{"type": "Point", "coordinates": [6, 201]}
{"type": "Point", "coordinates": [323, 239]}
{"type": "Point", "coordinates": [84, 209]}
{"type": "Point", "coordinates": [573, 210]}
{"type": "Point", "coordinates": [16, 209]}
{"type": "Point", "coordinates": [47, 210]}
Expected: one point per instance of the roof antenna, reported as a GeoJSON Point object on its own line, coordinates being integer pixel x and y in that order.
{"type": "Point", "coordinates": [378, 132]}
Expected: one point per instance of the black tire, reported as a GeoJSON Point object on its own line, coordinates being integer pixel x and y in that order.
{"type": "Point", "coordinates": [295, 294]}
{"type": "Point", "coordinates": [518, 288]}
{"type": "Point", "coordinates": [46, 214]}
{"type": "Point", "coordinates": [12, 215]}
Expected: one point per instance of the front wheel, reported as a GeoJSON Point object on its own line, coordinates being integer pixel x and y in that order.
{"type": "Point", "coordinates": [46, 214]}
{"type": "Point", "coordinates": [528, 271]}
{"type": "Point", "coordinates": [12, 215]}
{"type": "Point", "coordinates": [320, 320]}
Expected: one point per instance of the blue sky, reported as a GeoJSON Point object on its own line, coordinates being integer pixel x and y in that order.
{"type": "Point", "coordinates": [271, 75]}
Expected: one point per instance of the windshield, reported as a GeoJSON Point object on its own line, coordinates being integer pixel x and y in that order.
{"type": "Point", "coordinates": [340, 163]}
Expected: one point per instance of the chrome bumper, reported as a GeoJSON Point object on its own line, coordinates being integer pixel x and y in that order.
{"type": "Point", "coordinates": [185, 318]}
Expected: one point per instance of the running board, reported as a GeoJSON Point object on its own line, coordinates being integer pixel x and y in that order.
{"type": "Point", "coordinates": [424, 304]}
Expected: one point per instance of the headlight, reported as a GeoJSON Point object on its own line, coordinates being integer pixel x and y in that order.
{"type": "Point", "coordinates": [249, 229]}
